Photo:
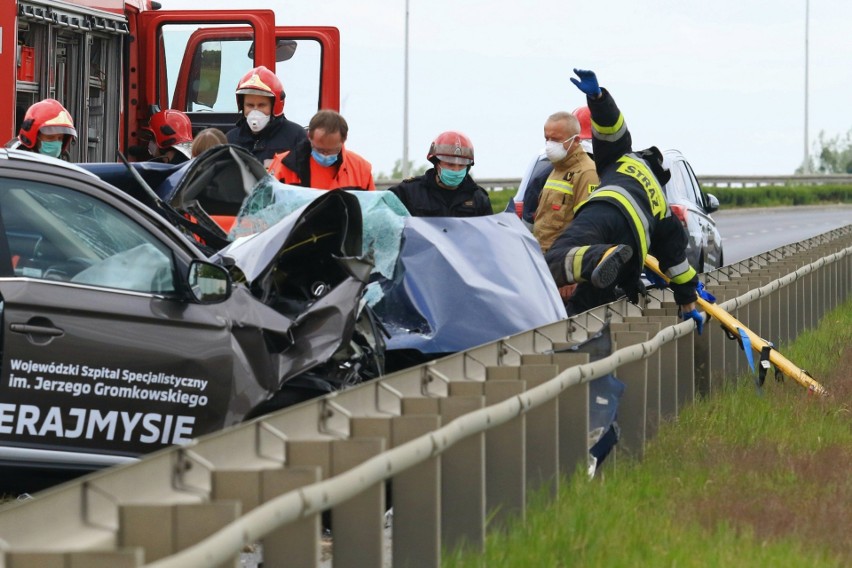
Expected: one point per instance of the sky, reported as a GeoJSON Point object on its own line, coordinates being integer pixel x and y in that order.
{"type": "Point", "coordinates": [723, 81]}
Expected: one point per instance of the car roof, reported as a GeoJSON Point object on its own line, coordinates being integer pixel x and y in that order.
{"type": "Point", "coordinates": [27, 156]}
{"type": "Point", "coordinates": [671, 156]}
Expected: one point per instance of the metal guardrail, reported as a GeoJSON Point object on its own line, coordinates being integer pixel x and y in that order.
{"type": "Point", "coordinates": [498, 184]}
{"type": "Point", "coordinates": [463, 439]}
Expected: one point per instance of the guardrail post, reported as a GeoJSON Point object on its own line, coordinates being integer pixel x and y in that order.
{"type": "Point", "coordinates": [463, 481]}
{"type": "Point", "coordinates": [505, 451]}
{"type": "Point", "coordinates": [163, 530]}
{"type": "Point", "coordinates": [730, 347]}
{"type": "Point", "coordinates": [125, 558]}
{"type": "Point", "coordinates": [809, 301]}
{"type": "Point", "coordinates": [656, 386]}
{"type": "Point", "coordinates": [542, 434]}
{"type": "Point", "coordinates": [573, 417]}
{"type": "Point", "coordinates": [357, 529]}
{"type": "Point", "coordinates": [632, 410]}
{"type": "Point", "coordinates": [296, 544]}
{"type": "Point", "coordinates": [416, 498]}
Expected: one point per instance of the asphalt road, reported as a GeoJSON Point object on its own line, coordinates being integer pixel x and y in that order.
{"type": "Point", "coordinates": [747, 232]}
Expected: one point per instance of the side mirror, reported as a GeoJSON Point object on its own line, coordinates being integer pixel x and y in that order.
{"type": "Point", "coordinates": [209, 283]}
{"type": "Point", "coordinates": [284, 50]}
{"type": "Point", "coordinates": [712, 203]}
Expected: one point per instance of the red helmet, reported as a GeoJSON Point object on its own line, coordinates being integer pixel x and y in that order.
{"type": "Point", "coordinates": [46, 117]}
{"type": "Point", "coordinates": [584, 115]}
{"type": "Point", "coordinates": [170, 127]}
{"type": "Point", "coordinates": [451, 147]}
{"type": "Point", "coordinates": [262, 81]}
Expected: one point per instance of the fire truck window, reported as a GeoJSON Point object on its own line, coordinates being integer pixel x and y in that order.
{"type": "Point", "coordinates": [300, 75]}
{"type": "Point", "coordinates": [205, 80]}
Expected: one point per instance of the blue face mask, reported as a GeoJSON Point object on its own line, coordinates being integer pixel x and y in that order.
{"type": "Point", "coordinates": [323, 160]}
{"type": "Point", "coordinates": [452, 178]}
{"type": "Point", "coordinates": [50, 148]}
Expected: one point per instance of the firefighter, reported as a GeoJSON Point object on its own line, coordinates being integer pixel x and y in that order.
{"type": "Point", "coordinates": [623, 220]}
{"type": "Point", "coordinates": [322, 161]}
{"type": "Point", "coordinates": [47, 129]}
{"type": "Point", "coordinates": [447, 190]}
{"type": "Point", "coordinates": [569, 184]}
{"type": "Point", "coordinates": [263, 129]}
{"type": "Point", "coordinates": [525, 202]}
{"type": "Point", "coordinates": [172, 137]}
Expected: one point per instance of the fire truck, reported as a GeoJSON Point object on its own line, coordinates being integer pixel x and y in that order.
{"type": "Point", "coordinates": [113, 63]}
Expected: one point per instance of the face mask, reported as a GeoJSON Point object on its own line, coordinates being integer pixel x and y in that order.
{"type": "Point", "coordinates": [323, 160]}
{"type": "Point", "coordinates": [50, 148]}
{"type": "Point", "coordinates": [452, 178]}
{"type": "Point", "coordinates": [153, 149]}
{"type": "Point", "coordinates": [556, 151]}
{"type": "Point", "coordinates": [586, 145]}
{"type": "Point", "coordinates": [257, 121]}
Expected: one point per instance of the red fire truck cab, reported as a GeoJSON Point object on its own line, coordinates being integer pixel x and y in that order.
{"type": "Point", "coordinates": [112, 63]}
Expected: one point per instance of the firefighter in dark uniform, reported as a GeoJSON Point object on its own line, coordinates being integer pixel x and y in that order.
{"type": "Point", "coordinates": [447, 190]}
{"type": "Point", "coordinates": [624, 219]}
{"type": "Point", "coordinates": [262, 128]}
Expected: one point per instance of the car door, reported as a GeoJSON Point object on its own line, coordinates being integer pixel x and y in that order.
{"type": "Point", "coordinates": [101, 351]}
{"type": "Point", "coordinates": [711, 238]}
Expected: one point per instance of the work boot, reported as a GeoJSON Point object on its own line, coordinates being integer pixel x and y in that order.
{"type": "Point", "coordinates": [606, 272]}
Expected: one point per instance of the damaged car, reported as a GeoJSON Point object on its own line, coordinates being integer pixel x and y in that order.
{"type": "Point", "coordinates": [120, 334]}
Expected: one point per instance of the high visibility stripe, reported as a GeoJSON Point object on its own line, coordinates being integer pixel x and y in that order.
{"type": "Point", "coordinates": [574, 260]}
{"type": "Point", "coordinates": [632, 209]}
{"type": "Point", "coordinates": [639, 171]}
{"type": "Point", "coordinates": [559, 185]}
{"type": "Point", "coordinates": [677, 269]}
{"type": "Point", "coordinates": [684, 277]}
{"type": "Point", "coordinates": [610, 133]}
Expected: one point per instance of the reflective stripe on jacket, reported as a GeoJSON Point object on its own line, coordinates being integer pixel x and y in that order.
{"type": "Point", "coordinates": [569, 184]}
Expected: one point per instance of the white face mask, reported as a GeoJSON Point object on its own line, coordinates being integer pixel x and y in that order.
{"type": "Point", "coordinates": [586, 145]}
{"type": "Point", "coordinates": [257, 121]}
{"type": "Point", "coordinates": [153, 149]}
{"type": "Point", "coordinates": [555, 151]}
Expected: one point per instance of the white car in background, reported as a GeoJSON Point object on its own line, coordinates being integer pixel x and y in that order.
{"type": "Point", "coordinates": [693, 207]}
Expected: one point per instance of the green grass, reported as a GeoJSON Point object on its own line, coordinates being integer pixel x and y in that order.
{"type": "Point", "coordinates": [769, 196]}
{"type": "Point", "coordinates": [499, 199]}
{"type": "Point", "coordinates": [742, 479]}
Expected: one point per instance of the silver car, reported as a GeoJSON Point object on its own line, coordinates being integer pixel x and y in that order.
{"type": "Point", "coordinates": [693, 207]}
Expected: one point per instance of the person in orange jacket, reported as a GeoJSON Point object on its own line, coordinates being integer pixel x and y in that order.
{"type": "Point", "coordinates": [321, 161]}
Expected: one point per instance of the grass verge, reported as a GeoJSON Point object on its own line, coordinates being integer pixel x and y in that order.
{"type": "Point", "coordinates": [742, 479]}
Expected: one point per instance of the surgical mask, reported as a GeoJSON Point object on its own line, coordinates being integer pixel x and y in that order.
{"type": "Point", "coordinates": [50, 148]}
{"type": "Point", "coordinates": [324, 160]}
{"type": "Point", "coordinates": [153, 149]}
{"type": "Point", "coordinates": [257, 121]}
{"type": "Point", "coordinates": [452, 178]}
{"type": "Point", "coordinates": [586, 145]}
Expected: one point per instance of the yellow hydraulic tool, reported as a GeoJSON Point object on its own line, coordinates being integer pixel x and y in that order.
{"type": "Point", "coordinates": [734, 327]}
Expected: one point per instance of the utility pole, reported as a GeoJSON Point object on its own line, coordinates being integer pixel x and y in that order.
{"type": "Point", "coordinates": [405, 104]}
{"type": "Point", "coordinates": [806, 169]}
